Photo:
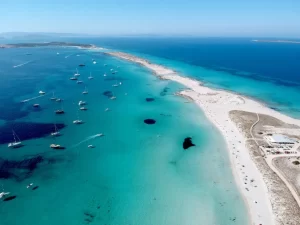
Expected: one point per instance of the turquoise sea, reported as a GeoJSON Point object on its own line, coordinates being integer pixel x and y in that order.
{"type": "Point", "coordinates": [137, 173]}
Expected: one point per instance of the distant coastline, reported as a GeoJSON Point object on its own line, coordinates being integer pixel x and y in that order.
{"type": "Point", "coordinates": [46, 44]}
{"type": "Point", "coordinates": [277, 41]}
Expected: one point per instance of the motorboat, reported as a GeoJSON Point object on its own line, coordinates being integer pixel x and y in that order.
{"type": "Point", "coordinates": [55, 146]}
{"type": "Point", "coordinates": [78, 122]}
{"type": "Point", "coordinates": [42, 92]}
{"type": "Point", "coordinates": [80, 103]}
{"type": "Point", "coordinates": [59, 111]}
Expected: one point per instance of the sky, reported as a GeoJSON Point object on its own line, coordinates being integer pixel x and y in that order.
{"type": "Point", "coordinates": [241, 18]}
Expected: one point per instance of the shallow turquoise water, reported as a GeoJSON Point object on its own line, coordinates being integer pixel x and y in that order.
{"type": "Point", "coordinates": [137, 173]}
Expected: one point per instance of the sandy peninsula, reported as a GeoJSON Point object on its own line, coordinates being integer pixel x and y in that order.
{"type": "Point", "coordinates": [270, 197]}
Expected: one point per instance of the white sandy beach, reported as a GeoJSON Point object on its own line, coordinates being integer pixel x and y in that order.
{"type": "Point", "coordinates": [216, 105]}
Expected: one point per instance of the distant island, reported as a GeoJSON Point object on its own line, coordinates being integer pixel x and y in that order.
{"type": "Point", "coordinates": [45, 44]}
{"type": "Point", "coordinates": [278, 41]}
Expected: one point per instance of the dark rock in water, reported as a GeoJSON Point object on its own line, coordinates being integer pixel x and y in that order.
{"type": "Point", "coordinates": [18, 169]}
{"type": "Point", "coordinates": [26, 131]}
{"type": "Point", "coordinates": [34, 188]}
{"type": "Point", "coordinates": [149, 121]}
{"type": "Point", "coordinates": [150, 99]}
{"type": "Point", "coordinates": [108, 94]}
{"type": "Point", "coordinates": [187, 143]}
{"type": "Point", "coordinates": [9, 198]}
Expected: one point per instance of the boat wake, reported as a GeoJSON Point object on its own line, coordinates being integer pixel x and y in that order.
{"type": "Point", "coordinates": [23, 64]}
{"type": "Point", "coordinates": [27, 100]}
{"type": "Point", "coordinates": [68, 56]}
{"type": "Point", "coordinates": [87, 139]}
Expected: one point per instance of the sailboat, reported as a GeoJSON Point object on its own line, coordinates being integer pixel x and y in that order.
{"type": "Point", "coordinates": [60, 111]}
{"type": "Point", "coordinates": [56, 132]}
{"type": "Point", "coordinates": [15, 144]}
{"type": "Point", "coordinates": [53, 97]}
{"type": "Point", "coordinates": [42, 92]}
{"type": "Point", "coordinates": [85, 91]}
{"type": "Point", "coordinates": [78, 121]}
{"type": "Point", "coordinates": [79, 82]}
{"type": "Point", "coordinates": [90, 77]}
{"type": "Point", "coordinates": [76, 74]}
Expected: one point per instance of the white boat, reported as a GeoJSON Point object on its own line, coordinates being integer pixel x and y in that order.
{"type": "Point", "coordinates": [56, 133]}
{"type": "Point", "coordinates": [104, 75]}
{"type": "Point", "coordinates": [53, 97]}
{"type": "Point", "coordinates": [17, 142]}
{"type": "Point", "coordinates": [42, 92]}
{"type": "Point", "coordinates": [99, 135]}
{"type": "Point", "coordinates": [91, 146]}
{"type": "Point", "coordinates": [78, 122]}
{"type": "Point", "coordinates": [83, 108]}
{"type": "Point", "coordinates": [79, 82]}
{"type": "Point", "coordinates": [85, 91]}
{"type": "Point", "coordinates": [55, 146]}
{"type": "Point", "coordinates": [94, 62]}
{"type": "Point", "coordinates": [76, 74]}
{"type": "Point", "coordinates": [60, 111]}
{"type": "Point", "coordinates": [57, 53]}
{"type": "Point", "coordinates": [80, 103]}
{"type": "Point", "coordinates": [90, 77]}
{"type": "Point", "coordinates": [58, 100]}
{"type": "Point", "coordinates": [73, 78]}
{"type": "Point", "coordinates": [113, 97]}
{"type": "Point", "coordinates": [107, 109]}
{"type": "Point", "coordinates": [36, 105]}
{"type": "Point", "coordinates": [2, 194]}
{"type": "Point", "coordinates": [111, 69]}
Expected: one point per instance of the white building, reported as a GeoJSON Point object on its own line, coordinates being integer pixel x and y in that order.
{"type": "Point", "coordinates": [280, 139]}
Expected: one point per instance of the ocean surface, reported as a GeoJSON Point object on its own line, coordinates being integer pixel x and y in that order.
{"type": "Point", "coordinates": [137, 173]}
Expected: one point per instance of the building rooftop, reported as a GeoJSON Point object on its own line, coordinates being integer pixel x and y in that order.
{"type": "Point", "coordinates": [279, 138]}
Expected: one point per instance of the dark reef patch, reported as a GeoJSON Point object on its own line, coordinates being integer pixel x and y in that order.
{"type": "Point", "coordinates": [9, 198]}
{"type": "Point", "coordinates": [168, 115]}
{"type": "Point", "coordinates": [150, 99]}
{"type": "Point", "coordinates": [164, 91]}
{"type": "Point", "coordinates": [149, 121]}
{"type": "Point", "coordinates": [18, 169]}
{"type": "Point", "coordinates": [108, 94]}
{"type": "Point", "coordinates": [187, 143]}
{"type": "Point", "coordinates": [26, 131]}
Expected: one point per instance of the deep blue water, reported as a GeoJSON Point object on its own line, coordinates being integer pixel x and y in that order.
{"type": "Point", "coordinates": [269, 72]}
